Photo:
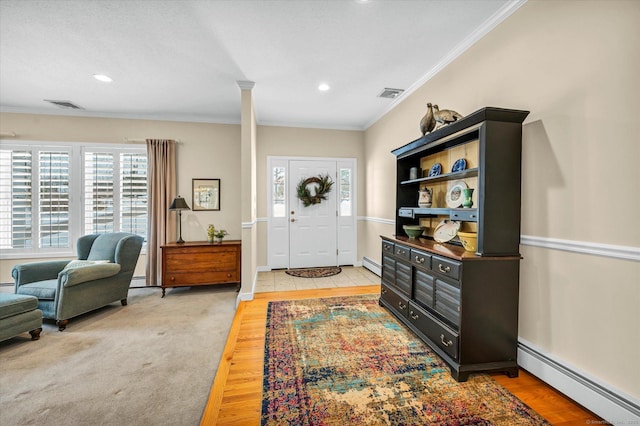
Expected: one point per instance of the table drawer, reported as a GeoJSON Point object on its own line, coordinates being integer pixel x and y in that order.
{"type": "Point", "coordinates": [434, 329]}
{"type": "Point", "coordinates": [201, 261]}
{"type": "Point", "coordinates": [209, 277]}
{"type": "Point", "coordinates": [446, 267]}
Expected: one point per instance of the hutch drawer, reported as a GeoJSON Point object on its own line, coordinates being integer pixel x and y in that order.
{"type": "Point", "coordinates": [466, 215]}
{"type": "Point", "coordinates": [446, 267]}
{"type": "Point", "coordinates": [394, 300]}
{"type": "Point", "coordinates": [421, 259]}
{"type": "Point", "coordinates": [435, 330]}
{"type": "Point", "coordinates": [402, 252]}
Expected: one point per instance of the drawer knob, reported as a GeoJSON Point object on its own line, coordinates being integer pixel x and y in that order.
{"type": "Point", "coordinates": [413, 316]}
{"type": "Point", "coordinates": [383, 291]}
{"type": "Point", "coordinates": [449, 343]}
{"type": "Point", "coordinates": [400, 251]}
{"type": "Point", "coordinates": [402, 306]}
{"type": "Point", "coordinates": [387, 248]}
{"type": "Point", "coordinates": [419, 259]}
{"type": "Point", "coordinates": [443, 269]}
{"type": "Point", "coordinates": [173, 278]}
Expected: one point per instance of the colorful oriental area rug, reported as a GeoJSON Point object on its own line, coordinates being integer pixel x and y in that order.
{"type": "Point", "coordinates": [346, 360]}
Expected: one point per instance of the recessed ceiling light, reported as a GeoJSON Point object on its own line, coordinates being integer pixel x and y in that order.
{"type": "Point", "coordinates": [323, 87]}
{"type": "Point", "coordinates": [103, 78]}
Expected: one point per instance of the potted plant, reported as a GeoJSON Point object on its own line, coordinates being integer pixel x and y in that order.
{"type": "Point", "coordinates": [220, 234]}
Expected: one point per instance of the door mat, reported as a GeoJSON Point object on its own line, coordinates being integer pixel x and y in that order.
{"type": "Point", "coordinates": [314, 272]}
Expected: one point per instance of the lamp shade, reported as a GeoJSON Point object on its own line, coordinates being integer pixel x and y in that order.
{"type": "Point", "coordinates": [179, 204]}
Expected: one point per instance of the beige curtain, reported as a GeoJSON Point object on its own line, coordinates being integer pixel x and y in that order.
{"type": "Point", "coordinates": [161, 154]}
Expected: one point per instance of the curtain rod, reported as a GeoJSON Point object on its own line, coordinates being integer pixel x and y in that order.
{"type": "Point", "coordinates": [128, 140]}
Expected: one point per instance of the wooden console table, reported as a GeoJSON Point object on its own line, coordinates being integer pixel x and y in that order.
{"type": "Point", "coordinates": [200, 263]}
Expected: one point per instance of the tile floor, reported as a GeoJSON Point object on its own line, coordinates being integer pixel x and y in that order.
{"type": "Point", "coordinates": [350, 276]}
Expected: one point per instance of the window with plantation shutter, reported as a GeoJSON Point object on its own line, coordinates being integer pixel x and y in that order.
{"type": "Point", "coordinates": [98, 192]}
{"type": "Point", "coordinates": [53, 206]}
{"type": "Point", "coordinates": [115, 191]}
{"type": "Point", "coordinates": [52, 194]}
{"type": "Point", "coordinates": [133, 193]}
{"type": "Point", "coordinates": [15, 199]}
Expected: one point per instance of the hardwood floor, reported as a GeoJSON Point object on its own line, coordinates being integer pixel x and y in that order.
{"type": "Point", "coordinates": [236, 394]}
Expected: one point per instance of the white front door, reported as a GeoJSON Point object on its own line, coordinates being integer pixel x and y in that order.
{"type": "Point", "coordinates": [312, 229]}
{"type": "Point", "coordinates": [317, 232]}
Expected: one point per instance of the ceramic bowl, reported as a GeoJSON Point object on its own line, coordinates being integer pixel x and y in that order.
{"type": "Point", "coordinates": [413, 231]}
{"type": "Point", "coordinates": [469, 240]}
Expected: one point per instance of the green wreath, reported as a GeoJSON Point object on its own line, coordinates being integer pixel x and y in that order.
{"type": "Point", "coordinates": [324, 183]}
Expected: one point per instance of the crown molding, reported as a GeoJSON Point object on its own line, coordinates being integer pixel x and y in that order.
{"type": "Point", "coordinates": [493, 21]}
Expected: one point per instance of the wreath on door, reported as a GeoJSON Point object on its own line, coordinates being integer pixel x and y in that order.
{"type": "Point", "coordinates": [323, 184]}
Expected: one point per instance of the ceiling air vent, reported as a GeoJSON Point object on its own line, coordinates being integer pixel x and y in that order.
{"type": "Point", "coordinates": [390, 93]}
{"type": "Point", "coordinates": [64, 104]}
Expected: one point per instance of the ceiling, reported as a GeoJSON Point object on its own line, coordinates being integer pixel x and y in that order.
{"type": "Point", "coordinates": [182, 59]}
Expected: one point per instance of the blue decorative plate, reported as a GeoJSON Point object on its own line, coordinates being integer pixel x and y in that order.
{"type": "Point", "coordinates": [436, 169]}
{"type": "Point", "coordinates": [459, 165]}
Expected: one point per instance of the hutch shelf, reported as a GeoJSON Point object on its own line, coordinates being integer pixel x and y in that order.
{"type": "Point", "coordinates": [463, 304]}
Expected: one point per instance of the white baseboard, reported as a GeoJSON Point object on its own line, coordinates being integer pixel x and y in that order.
{"type": "Point", "coordinates": [245, 296]}
{"type": "Point", "coordinates": [372, 266]}
{"type": "Point", "coordinates": [600, 398]}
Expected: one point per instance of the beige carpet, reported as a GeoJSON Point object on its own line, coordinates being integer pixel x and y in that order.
{"type": "Point", "coordinates": [149, 363]}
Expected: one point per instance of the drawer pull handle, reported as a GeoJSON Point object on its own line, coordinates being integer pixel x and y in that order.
{"type": "Point", "coordinates": [387, 248]}
{"type": "Point", "coordinates": [449, 343]}
{"type": "Point", "coordinates": [383, 291]}
{"type": "Point", "coordinates": [413, 316]}
{"type": "Point", "coordinates": [401, 306]}
{"type": "Point", "coordinates": [419, 259]}
{"type": "Point", "coordinates": [400, 252]}
{"type": "Point", "coordinates": [443, 269]}
{"type": "Point", "coordinates": [473, 216]}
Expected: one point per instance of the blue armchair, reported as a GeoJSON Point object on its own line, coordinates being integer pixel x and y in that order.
{"type": "Point", "coordinates": [101, 275]}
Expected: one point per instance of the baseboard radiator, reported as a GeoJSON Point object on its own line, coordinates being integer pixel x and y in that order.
{"type": "Point", "coordinates": [372, 266]}
{"type": "Point", "coordinates": [610, 404]}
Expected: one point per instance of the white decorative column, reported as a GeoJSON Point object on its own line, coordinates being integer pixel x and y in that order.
{"type": "Point", "coordinates": [248, 190]}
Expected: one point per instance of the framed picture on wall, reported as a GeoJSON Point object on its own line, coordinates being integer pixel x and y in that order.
{"type": "Point", "coordinates": [206, 194]}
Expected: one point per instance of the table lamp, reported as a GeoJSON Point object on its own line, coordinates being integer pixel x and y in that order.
{"type": "Point", "coordinates": [178, 205]}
